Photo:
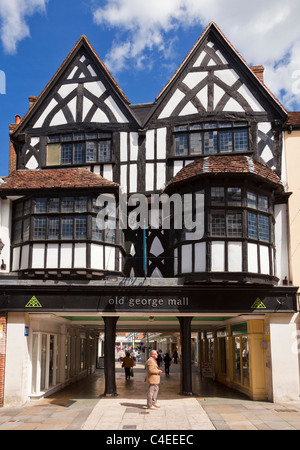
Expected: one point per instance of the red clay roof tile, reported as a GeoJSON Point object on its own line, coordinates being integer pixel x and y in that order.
{"type": "Point", "coordinates": [230, 164]}
{"type": "Point", "coordinates": [21, 180]}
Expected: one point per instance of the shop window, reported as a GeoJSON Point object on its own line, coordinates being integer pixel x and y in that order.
{"type": "Point", "coordinates": [44, 357]}
{"type": "Point", "coordinates": [241, 354]}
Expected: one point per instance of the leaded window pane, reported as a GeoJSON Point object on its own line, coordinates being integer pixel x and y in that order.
{"type": "Point", "coordinates": [211, 142]}
{"type": "Point", "coordinates": [66, 153]}
{"type": "Point", "coordinates": [226, 141]}
{"type": "Point", "coordinates": [80, 227]}
{"type": "Point", "coordinates": [81, 204]}
{"type": "Point", "coordinates": [104, 151]}
{"type": "Point", "coordinates": [263, 228]}
{"type": "Point", "coordinates": [218, 224]}
{"type": "Point", "coordinates": [39, 231]}
{"type": "Point", "coordinates": [241, 140]}
{"type": "Point", "coordinates": [181, 144]}
{"type": "Point", "coordinates": [91, 151]}
{"type": "Point", "coordinates": [263, 203]}
{"type": "Point", "coordinates": [196, 143]}
{"type": "Point", "coordinates": [252, 226]}
{"type": "Point", "coordinates": [234, 196]}
{"type": "Point", "coordinates": [97, 233]}
{"type": "Point", "coordinates": [79, 153]}
{"type": "Point", "coordinates": [217, 196]}
{"type": "Point", "coordinates": [53, 228]}
{"type": "Point", "coordinates": [234, 224]}
{"type": "Point", "coordinates": [67, 204]}
{"type": "Point", "coordinates": [41, 205]}
{"type": "Point", "coordinates": [251, 200]}
{"type": "Point", "coordinates": [67, 228]}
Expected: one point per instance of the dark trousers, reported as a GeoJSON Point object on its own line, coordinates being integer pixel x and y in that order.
{"type": "Point", "coordinates": [127, 372]}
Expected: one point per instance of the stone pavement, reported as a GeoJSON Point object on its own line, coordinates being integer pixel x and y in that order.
{"type": "Point", "coordinates": [81, 406]}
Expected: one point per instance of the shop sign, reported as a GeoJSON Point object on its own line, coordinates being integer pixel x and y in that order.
{"type": "Point", "coordinates": [241, 328]}
{"type": "Point", "coordinates": [207, 370]}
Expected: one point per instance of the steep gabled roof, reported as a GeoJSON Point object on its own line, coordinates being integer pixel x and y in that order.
{"type": "Point", "coordinates": [213, 30]}
{"type": "Point", "coordinates": [82, 42]}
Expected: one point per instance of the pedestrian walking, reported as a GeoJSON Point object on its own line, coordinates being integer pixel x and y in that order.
{"type": "Point", "coordinates": [167, 361]}
{"type": "Point", "coordinates": [127, 364]}
{"type": "Point", "coordinates": [153, 379]}
{"type": "Point", "coordinates": [175, 356]}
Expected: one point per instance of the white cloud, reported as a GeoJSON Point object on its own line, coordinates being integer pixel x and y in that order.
{"type": "Point", "coordinates": [13, 26]}
{"type": "Point", "coordinates": [264, 33]}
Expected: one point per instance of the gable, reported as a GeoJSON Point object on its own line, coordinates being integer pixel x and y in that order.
{"type": "Point", "coordinates": [82, 92]}
{"type": "Point", "coordinates": [214, 79]}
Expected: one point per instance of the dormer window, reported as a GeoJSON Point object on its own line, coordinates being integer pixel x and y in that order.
{"type": "Point", "coordinates": [211, 138]}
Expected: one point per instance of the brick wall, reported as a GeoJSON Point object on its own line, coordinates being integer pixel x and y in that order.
{"type": "Point", "coordinates": [3, 320]}
{"type": "Point", "coordinates": [12, 161]}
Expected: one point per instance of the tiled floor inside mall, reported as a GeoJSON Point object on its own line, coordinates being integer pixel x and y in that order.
{"type": "Point", "coordinates": [81, 406]}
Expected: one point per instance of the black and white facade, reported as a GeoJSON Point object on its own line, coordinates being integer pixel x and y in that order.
{"type": "Point", "coordinates": [215, 133]}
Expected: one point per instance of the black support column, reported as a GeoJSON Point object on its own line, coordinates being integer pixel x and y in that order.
{"type": "Point", "coordinates": [110, 324]}
{"type": "Point", "coordinates": [186, 356]}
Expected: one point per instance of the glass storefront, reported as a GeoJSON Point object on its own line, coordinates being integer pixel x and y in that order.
{"type": "Point", "coordinates": [44, 362]}
{"type": "Point", "coordinates": [240, 354]}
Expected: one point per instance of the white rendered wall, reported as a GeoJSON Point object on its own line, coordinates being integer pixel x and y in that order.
{"type": "Point", "coordinates": [281, 243]}
{"type": "Point", "coordinates": [17, 361]}
{"type": "Point", "coordinates": [284, 354]}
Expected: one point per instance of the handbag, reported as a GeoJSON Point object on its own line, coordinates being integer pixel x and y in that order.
{"type": "Point", "coordinates": [131, 372]}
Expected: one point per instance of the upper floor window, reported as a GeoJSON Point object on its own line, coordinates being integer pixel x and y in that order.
{"type": "Point", "coordinates": [79, 148]}
{"type": "Point", "coordinates": [211, 138]}
{"type": "Point", "coordinates": [59, 218]}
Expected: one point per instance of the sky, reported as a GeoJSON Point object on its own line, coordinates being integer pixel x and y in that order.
{"type": "Point", "coordinates": [142, 43]}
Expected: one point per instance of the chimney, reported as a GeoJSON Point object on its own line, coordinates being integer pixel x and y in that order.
{"type": "Point", "coordinates": [259, 72]}
{"type": "Point", "coordinates": [32, 99]}
{"type": "Point", "coordinates": [12, 159]}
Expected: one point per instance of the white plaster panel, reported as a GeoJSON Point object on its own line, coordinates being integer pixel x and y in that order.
{"type": "Point", "coordinates": [150, 144]}
{"type": "Point", "coordinates": [149, 177]}
{"type": "Point", "coordinates": [193, 78]}
{"type": "Point", "coordinates": [123, 146]}
{"type": "Point", "coordinates": [133, 178]}
{"type": "Point", "coordinates": [108, 172]}
{"type": "Point", "coordinates": [161, 139]}
{"type": "Point", "coordinates": [96, 88]}
{"type": "Point", "coordinates": [188, 109]}
{"type": "Point", "coordinates": [91, 70]}
{"type": "Point", "coordinates": [43, 116]}
{"type": "Point", "coordinates": [52, 256]}
{"type": "Point", "coordinates": [233, 105]}
{"type": "Point", "coordinates": [38, 256]}
{"type": "Point", "coordinates": [25, 257]}
{"type": "Point", "coordinates": [217, 256]}
{"type": "Point", "coordinates": [134, 146]}
{"type": "Point", "coordinates": [249, 97]}
{"type": "Point", "coordinates": [16, 259]}
{"type": "Point", "coordinates": [80, 255]}
{"type": "Point", "coordinates": [218, 94]}
{"type": "Point", "coordinates": [186, 259]}
{"type": "Point", "coordinates": [116, 110]}
{"type": "Point", "coordinates": [203, 97]}
{"type": "Point", "coordinates": [72, 73]}
{"type": "Point", "coordinates": [97, 256]}
{"type": "Point", "coordinates": [172, 103]}
{"type": "Point", "coordinates": [200, 257]}
{"type": "Point", "coordinates": [235, 257]}
{"type": "Point", "coordinates": [222, 57]}
{"type": "Point", "coordinates": [72, 107]}
{"type": "Point", "coordinates": [99, 117]}
{"type": "Point", "coordinates": [109, 257]}
{"type": "Point", "coordinates": [200, 59]}
{"type": "Point", "coordinates": [264, 259]}
{"type": "Point", "coordinates": [228, 76]}
{"type": "Point", "coordinates": [66, 252]}
{"type": "Point", "coordinates": [178, 165]}
{"type": "Point", "coordinates": [160, 175]}
{"type": "Point", "coordinates": [58, 119]}
{"type": "Point", "coordinates": [32, 163]}
{"type": "Point", "coordinates": [66, 89]}
{"type": "Point", "coordinates": [252, 258]}
{"type": "Point", "coordinates": [86, 106]}
{"type": "Point", "coordinates": [124, 177]}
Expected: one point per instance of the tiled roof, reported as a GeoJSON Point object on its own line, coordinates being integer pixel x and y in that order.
{"type": "Point", "coordinates": [231, 164]}
{"type": "Point", "coordinates": [293, 119]}
{"type": "Point", "coordinates": [21, 180]}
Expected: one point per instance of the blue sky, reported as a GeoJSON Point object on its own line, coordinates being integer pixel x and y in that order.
{"type": "Point", "coordinates": [141, 42]}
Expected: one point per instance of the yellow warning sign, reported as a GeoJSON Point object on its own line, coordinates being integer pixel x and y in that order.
{"type": "Point", "coordinates": [33, 303]}
{"type": "Point", "coordinates": [258, 304]}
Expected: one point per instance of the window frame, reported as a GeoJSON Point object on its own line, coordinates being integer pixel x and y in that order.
{"type": "Point", "coordinates": [215, 129]}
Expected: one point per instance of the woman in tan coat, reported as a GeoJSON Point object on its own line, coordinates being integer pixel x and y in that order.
{"type": "Point", "coordinates": [153, 378]}
{"type": "Point", "coordinates": [127, 363]}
